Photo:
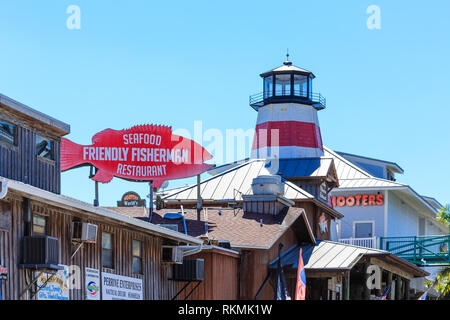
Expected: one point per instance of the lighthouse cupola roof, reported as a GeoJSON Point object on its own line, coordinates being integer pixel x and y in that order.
{"type": "Point", "coordinates": [287, 84]}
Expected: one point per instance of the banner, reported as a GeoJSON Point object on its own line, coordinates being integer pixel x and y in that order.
{"type": "Point", "coordinates": [116, 287]}
{"type": "Point", "coordinates": [56, 286]}
{"type": "Point", "coordinates": [92, 284]}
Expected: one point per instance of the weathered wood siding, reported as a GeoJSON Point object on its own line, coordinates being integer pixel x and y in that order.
{"type": "Point", "coordinates": [19, 162]}
{"type": "Point", "coordinates": [221, 277]}
{"type": "Point", "coordinates": [155, 273]}
{"type": "Point", "coordinates": [254, 268]}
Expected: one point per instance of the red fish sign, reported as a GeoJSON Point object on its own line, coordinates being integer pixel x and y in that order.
{"type": "Point", "coordinates": [141, 153]}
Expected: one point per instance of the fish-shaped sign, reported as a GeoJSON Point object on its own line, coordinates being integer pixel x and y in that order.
{"type": "Point", "coordinates": [141, 153]}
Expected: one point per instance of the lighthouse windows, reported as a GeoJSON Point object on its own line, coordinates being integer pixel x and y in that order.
{"type": "Point", "coordinates": [283, 85]}
{"type": "Point", "coordinates": [268, 87]}
{"type": "Point", "coordinates": [300, 85]}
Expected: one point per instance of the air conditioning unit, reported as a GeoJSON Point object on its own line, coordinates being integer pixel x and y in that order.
{"type": "Point", "coordinates": [172, 254]}
{"type": "Point", "coordinates": [86, 232]}
{"type": "Point", "coordinates": [190, 270]}
{"type": "Point", "coordinates": [40, 252]}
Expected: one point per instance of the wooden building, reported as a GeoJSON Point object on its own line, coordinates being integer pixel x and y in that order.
{"type": "Point", "coordinates": [124, 246]}
{"type": "Point", "coordinates": [30, 145]}
{"type": "Point", "coordinates": [57, 247]}
{"type": "Point", "coordinates": [221, 264]}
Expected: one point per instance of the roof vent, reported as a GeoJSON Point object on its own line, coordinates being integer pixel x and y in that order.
{"type": "Point", "coordinates": [268, 185]}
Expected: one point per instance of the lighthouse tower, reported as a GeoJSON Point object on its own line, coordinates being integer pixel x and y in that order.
{"type": "Point", "coordinates": [287, 126]}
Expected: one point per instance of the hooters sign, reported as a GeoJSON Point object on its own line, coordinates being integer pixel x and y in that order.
{"type": "Point", "coordinates": [358, 200]}
{"type": "Point", "coordinates": [141, 153]}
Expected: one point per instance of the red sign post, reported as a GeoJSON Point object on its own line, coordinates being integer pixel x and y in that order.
{"type": "Point", "coordinates": [141, 153]}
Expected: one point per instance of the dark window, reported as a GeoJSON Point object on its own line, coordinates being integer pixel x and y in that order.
{"type": "Point", "coordinates": [137, 256]}
{"type": "Point", "coordinates": [39, 225]}
{"type": "Point", "coordinates": [363, 229]}
{"type": "Point", "coordinates": [7, 132]}
{"type": "Point", "coordinates": [107, 250]}
{"type": "Point", "coordinates": [44, 147]}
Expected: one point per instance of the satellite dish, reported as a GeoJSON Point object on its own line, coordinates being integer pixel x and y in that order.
{"type": "Point", "coordinates": [165, 184]}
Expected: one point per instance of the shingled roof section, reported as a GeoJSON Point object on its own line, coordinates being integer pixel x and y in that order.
{"type": "Point", "coordinates": [242, 229]}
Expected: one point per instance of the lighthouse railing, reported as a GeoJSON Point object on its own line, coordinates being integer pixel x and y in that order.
{"type": "Point", "coordinates": [316, 99]}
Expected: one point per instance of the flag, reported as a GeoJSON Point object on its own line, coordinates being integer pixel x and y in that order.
{"type": "Point", "coordinates": [300, 290]}
{"type": "Point", "coordinates": [281, 291]}
{"type": "Point", "coordinates": [424, 295]}
{"type": "Point", "coordinates": [386, 292]}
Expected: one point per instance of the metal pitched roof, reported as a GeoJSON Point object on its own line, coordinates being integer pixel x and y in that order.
{"type": "Point", "coordinates": [288, 66]}
{"type": "Point", "coordinates": [325, 255]}
{"type": "Point", "coordinates": [392, 165]}
{"type": "Point", "coordinates": [344, 168]}
{"type": "Point", "coordinates": [333, 256]}
{"type": "Point", "coordinates": [231, 184]}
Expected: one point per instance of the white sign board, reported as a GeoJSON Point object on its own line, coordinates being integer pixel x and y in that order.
{"type": "Point", "coordinates": [56, 286]}
{"type": "Point", "coordinates": [116, 287]}
{"type": "Point", "coordinates": [92, 284]}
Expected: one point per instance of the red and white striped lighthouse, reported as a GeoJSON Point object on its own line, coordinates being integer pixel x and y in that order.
{"type": "Point", "coordinates": [287, 126]}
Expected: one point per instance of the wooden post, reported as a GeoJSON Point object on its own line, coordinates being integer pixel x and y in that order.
{"type": "Point", "coordinates": [389, 281]}
{"type": "Point", "coordinates": [366, 290]}
{"type": "Point", "coordinates": [398, 288]}
{"type": "Point", "coordinates": [407, 283]}
{"type": "Point", "coordinates": [347, 287]}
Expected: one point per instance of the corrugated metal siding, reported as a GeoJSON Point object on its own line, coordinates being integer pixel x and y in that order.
{"type": "Point", "coordinates": [326, 255]}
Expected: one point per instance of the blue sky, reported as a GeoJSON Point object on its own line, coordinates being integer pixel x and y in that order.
{"type": "Point", "coordinates": [135, 62]}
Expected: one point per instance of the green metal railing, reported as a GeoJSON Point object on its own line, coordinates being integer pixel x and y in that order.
{"type": "Point", "coordinates": [422, 251]}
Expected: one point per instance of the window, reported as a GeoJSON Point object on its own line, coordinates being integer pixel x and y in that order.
{"type": "Point", "coordinates": [363, 229]}
{"type": "Point", "coordinates": [7, 132]}
{"type": "Point", "coordinates": [44, 147]}
{"type": "Point", "coordinates": [300, 85]}
{"type": "Point", "coordinates": [107, 250]}
{"type": "Point", "coordinates": [268, 87]}
{"type": "Point", "coordinates": [283, 85]}
{"type": "Point", "coordinates": [137, 256]}
{"type": "Point", "coordinates": [39, 225]}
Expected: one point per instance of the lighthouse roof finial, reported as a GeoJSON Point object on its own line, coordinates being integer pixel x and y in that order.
{"type": "Point", "coordinates": [287, 62]}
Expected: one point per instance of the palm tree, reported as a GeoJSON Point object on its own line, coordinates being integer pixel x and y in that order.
{"type": "Point", "coordinates": [442, 282]}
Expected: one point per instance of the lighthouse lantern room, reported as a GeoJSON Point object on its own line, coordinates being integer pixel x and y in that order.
{"type": "Point", "coordinates": [287, 125]}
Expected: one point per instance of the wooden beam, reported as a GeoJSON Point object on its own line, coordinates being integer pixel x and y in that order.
{"type": "Point", "coordinates": [391, 268]}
